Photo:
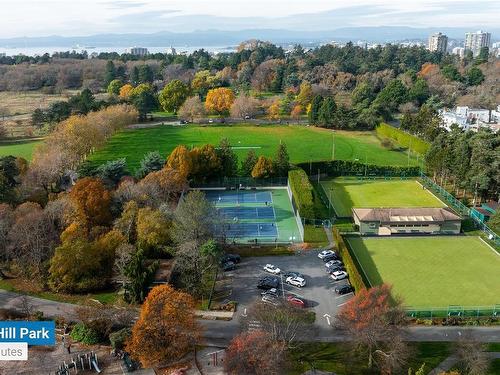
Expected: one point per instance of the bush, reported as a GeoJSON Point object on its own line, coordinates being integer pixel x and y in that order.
{"type": "Point", "coordinates": [355, 277]}
{"type": "Point", "coordinates": [302, 191]}
{"type": "Point", "coordinates": [85, 334]}
{"type": "Point", "coordinates": [118, 338]}
{"type": "Point", "coordinates": [403, 138]}
{"type": "Point", "coordinates": [387, 143]}
{"type": "Point", "coordinates": [346, 167]}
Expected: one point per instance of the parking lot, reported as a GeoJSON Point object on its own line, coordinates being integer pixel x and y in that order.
{"type": "Point", "coordinates": [318, 292]}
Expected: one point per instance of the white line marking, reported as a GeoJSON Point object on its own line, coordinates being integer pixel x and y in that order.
{"type": "Point", "coordinates": [491, 247]}
{"type": "Point", "coordinates": [342, 304]}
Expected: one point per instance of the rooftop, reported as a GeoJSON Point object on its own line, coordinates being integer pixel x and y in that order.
{"type": "Point", "coordinates": [395, 215]}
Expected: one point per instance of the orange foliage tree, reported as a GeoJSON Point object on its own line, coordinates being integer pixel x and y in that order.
{"type": "Point", "coordinates": [166, 330]}
{"type": "Point", "coordinates": [263, 168]}
{"type": "Point", "coordinates": [180, 159]}
{"type": "Point", "coordinates": [219, 100]}
{"type": "Point", "coordinates": [92, 201]}
{"type": "Point", "coordinates": [125, 91]}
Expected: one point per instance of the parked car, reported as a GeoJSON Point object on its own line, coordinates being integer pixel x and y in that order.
{"type": "Point", "coordinates": [338, 275]}
{"type": "Point", "coordinates": [344, 289]}
{"type": "Point", "coordinates": [333, 262]}
{"type": "Point", "coordinates": [333, 269]}
{"type": "Point", "coordinates": [325, 253]}
{"type": "Point", "coordinates": [268, 283]}
{"type": "Point", "coordinates": [296, 301]}
{"type": "Point", "coordinates": [296, 281]}
{"type": "Point", "coordinates": [270, 300]}
{"type": "Point", "coordinates": [270, 292]}
{"type": "Point", "coordinates": [292, 274]}
{"type": "Point", "coordinates": [272, 269]}
{"type": "Point", "coordinates": [235, 258]}
{"type": "Point", "coordinates": [228, 266]}
{"type": "Point", "coordinates": [330, 257]}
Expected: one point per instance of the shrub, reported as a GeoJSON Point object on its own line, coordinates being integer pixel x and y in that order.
{"type": "Point", "coordinates": [355, 277]}
{"type": "Point", "coordinates": [118, 338]}
{"type": "Point", "coordinates": [346, 167]}
{"type": "Point", "coordinates": [403, 138]}
{"type": "Point", "coordinates": [387, 143]}
{"type": "Point", "coordinates": [85, 334]}
{"type": "Point", "coordinates": [302, 191]}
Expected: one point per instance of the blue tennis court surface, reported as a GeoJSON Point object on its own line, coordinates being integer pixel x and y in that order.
{"type": "Point", "coordinates": [251, 230]}
{"type": "Point", "coordinates": [238, 197]}
{"type": "Point", "coordinates": [245, 212]}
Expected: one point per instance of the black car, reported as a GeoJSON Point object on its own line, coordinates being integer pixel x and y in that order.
{"type": "Point", "coordinates": [268, 283]}
{"type": "Point", "coordinates": [228, 266]}
{"type": "Point", "coordinates": [235, 258]}
{"type": "Point", "coordinates": [331, 257]}
{"type": "Point", "coordinates": [344, 289]}
{"type": "Point", "coordinates": [292, 274]}
{"type": "Point", "coordinates": [332, 269]}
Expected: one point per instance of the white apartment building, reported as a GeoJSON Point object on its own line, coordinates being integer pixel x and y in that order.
{"type": "Point", "coordinates": [438, 43]}
{"type": "Point", "coordinates": [471, 118]}
{"type": "Point", "coordinates": [138, 51]}
{"type": "Point", "coordinates": [475, 41]}
{"type": "Point", "coordinates": [460, 51]}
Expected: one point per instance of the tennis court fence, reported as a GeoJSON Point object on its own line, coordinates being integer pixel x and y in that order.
{"type": "Point", "coordinates": [492, 311]}
{"type": "Point", "coordinates": [241, 181]}
{"type": "Point", "coordinates": [296, 211]}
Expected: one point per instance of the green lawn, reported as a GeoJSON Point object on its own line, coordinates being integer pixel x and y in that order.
{"type": "Point", "coordinates": [432, 271]}
{"type": "Point", "coordinates": [304, 143]}
{"type": "Point", "coordinates": [22, 149]}
{"type": "Point", "coordinates": [346, 193]}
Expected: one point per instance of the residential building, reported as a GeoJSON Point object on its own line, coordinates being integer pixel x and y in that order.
{"type": "Point", "coordinates": [460, 51]}
{"type": "Point", "coordinates": [471, 118]}
{"type": "Point", "coordinates": [438, 43]}
{"type": "Point", "coordinates": [138, 51]}
{"type": "Point", "coordinates": [475, 41]}
{"type": "Point", "coordinates": [418, 220]}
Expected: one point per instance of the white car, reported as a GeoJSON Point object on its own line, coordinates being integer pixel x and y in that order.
{"type": "Point", "coordinates": [325, 253]}
{"type": "Point", "coordinates": [338, 275]}
{"type": "Point", "coordinates": [270, 300]}
{"type": "Point", "coordinates": [333, 263]}
{"type": "Point", "coordinates": [296, 281]}
{"type": "Point", "coordinates": [272, 269]}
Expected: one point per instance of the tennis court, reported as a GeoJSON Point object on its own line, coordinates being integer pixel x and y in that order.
{"type": "Point", "coordinates": [263, 216]}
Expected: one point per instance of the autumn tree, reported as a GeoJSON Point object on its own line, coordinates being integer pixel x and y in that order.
{"type": "Point", "coordinates": [375, 325]}
{"type": "Point", "coordinates": [144, 99]}
{"type": "Point", "coordinates": [219, 100]}
{"type": "Point", "coordinates": [245, 105]}
{"type": "Point", "coordinates": [255, 353]}
{"type": "Point", "coordinates": [125, 91]}
{"type": "Point", "coordinates": [114, 87]}
{"type": "Point", "coordinates": [274, 110]}
{"type": "Point", "coordinates": [472, 357]}
{"type": "Point", "coordinates": [167, 328]}
{"type": "Point", "coordinates": [92, 201]}
{"type": "Point", "coordinates": [248, 163]}
{"type": "Point", "coordinates": [305, 95]}
{"type": "Point", "coordinates": [206, 163]}
{"type": "Point", "coordinates": [296, 112]}
{"type": "Point", "coordinates": [173, 95]}
{"type": "Point", "coordinates": [191, 109]}
{"type": "Point", "coordinates": [180, 159]}
{"type": "Point", "coordinates": [152, 230]}
{"type": "Point", "coordinates": [263, 168]}
{"type": "Point", "coordinates": [164, 185]}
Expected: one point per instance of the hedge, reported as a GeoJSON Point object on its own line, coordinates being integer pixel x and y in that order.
{"type": "Point", "coordinates": [302, 191]}
{"type": "Point", "coordinates": [85, 334]}
{"type": "Point", "coordinates": [403, 138]}
{"type": "Point", "coordinates": [346, 167]}
{"type": "Point", "coordinates": [355, 277]}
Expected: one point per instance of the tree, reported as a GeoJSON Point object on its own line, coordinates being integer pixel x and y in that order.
{"type": "Point", "coordinates": [195, 219]}
{"type": "Point", "coordinates": [110, 73]}
{"type": "Point", "coordinates": [263, 168]}
{"type": "Point", "coordinates": [125, 91]}
{"type": "Point", "coordinates": [306, 95]}
{"type": "Point", "coordinates": [219, 100]}
{"type": "Point", "coordinates": [255, 353]}
{"type": "Point", "coordinates": [152, 230]}
{"type": "Point", "coordinates": [281, 163]}
{"type": "Point", "coordinates": [191, 109]}
{"type": "Point", "coordinates": [391, 96]}
{"type": "Point", "coordinates": [248, 163]}
{"type": "Point", "coordinates": [296, 112]}
{"type": "Point", "coordinates": [206, 163]}
{"type": "Point", "coordinates": [38, 118]}
{"type": "Point", "coordinates": [146, 74]}
{"type": "Point", "coordinates": [274, 110]}
{"type": "Point", "coordinates": [173, 95]}
{"type": "Point", "coordinates": [92, 201]}
{"type": "Point", "coordinates": [314, 111]}
{"type": "Point", "coordinates": [227, 158]}
{"type": "Point", "coordinates": [180, 159]}
{"type": "Point", "coordinates": [472, 357]}
{"type": "Point", "coordinates": [419, 91]}
{"type": "Point", "coordinates": [113, 171]}
{"type": "Point", "coordinates": [363, 95]}
{"type": "Point", "coordinates": [143, 98]}
{"type": "Point", "coordinates": [245, 106]}
{"type": "Point", "coordinates": [167, 328]}
{"type": "Point", "coordinates": [139, 277]}
{"type": "Point", "coordinates": [152, 162]}
{"type": "Point", "coordinates": [474, 76]}
{"type": "Point", "coordinates": [134, 76]}
{"type": "Point", "coordinates": [375, 325]}
{"type": "Point", "coordinates": [114, 87]}
{"type": "Point", "coordinates": [326, 114]}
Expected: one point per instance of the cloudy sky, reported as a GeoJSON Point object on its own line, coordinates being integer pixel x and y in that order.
{"type": "Point", "coordinates": [88, 17]}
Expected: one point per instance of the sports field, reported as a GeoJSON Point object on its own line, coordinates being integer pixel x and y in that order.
{"type": "Point", "coordinates": [303, 143]}
{"type": "Point", "coordinates": [265, 215]}
{"type": "Point", "coordinates": [18, 149]}
{"type": "Point", "coordinates": [346, 193]}
{"type": "Point", "coordinates": [432, 271]}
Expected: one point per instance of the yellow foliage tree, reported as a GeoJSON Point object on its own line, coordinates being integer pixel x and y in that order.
{"type": "Point", "coordinates": [180, 160]}
{"type": "Point", "coordinates": [125, 91]}
{"type": "Point", "coordinates": [263, 168]}
{"type": "Point", "coordinates": [152, 229]}
{"type": "Point", "coordinates": [273, 112]}
{"type": "Point", "coordinates": [219, 100]}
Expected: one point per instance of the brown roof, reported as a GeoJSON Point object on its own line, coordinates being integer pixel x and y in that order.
{"type": "Point", "coordinates": [402, 215]}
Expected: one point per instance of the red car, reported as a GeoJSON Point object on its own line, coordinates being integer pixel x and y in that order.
{"type": "Point", "coordinates": [296, 301]}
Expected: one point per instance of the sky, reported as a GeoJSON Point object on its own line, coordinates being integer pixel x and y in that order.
{"type": "Point", "coordinates": [77, 18]}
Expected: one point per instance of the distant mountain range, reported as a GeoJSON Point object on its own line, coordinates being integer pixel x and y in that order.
{"type": "Point", "coordinates": [222, 37]}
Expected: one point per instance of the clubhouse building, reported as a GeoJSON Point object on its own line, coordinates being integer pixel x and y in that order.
{"type": "Point", "coordinates": [418, 220]}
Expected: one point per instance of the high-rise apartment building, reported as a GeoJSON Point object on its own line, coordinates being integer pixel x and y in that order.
{"type": "Point", "coordinates": [475, 41]}
{"type": "Point", "coordinates": [438, 43]}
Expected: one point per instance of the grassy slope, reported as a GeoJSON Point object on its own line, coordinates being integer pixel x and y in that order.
{"type": "Point", "coordinates": [304, 143]}
{"type": "Point", "coordinates": [20, 149]}
{"type": "Point", "coordinates": [433, 271]}
{"type": "Point", "coordinates": [348, 193]}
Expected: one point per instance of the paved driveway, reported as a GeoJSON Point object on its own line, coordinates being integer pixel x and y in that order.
{"type": "Point", "coordinates": [318, 290]}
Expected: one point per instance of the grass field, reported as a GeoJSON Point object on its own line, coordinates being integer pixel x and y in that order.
{"type": "Point", "coordinates": [347, 193]}
{"type": "Point", "coordinates": [432, 271]}
{"type": "Point", "coordinates": [304, 143]}
{"type": "Point", "coordinates": [22, 149]}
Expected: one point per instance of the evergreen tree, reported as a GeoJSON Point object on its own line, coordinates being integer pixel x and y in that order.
{"type": "Point", "coordinates": [145, 74]}
{"type": "Point", "coordinates": [314, 111]}
{"type": "Point", "coordinates": [248, 163]}
{"type": "Point", "coordinates": [139, 277]}
{"type": "Point", "coordinates": [281, 161]}
{"type": "Point", "coordinates": [326, 114]}
{"type": "Point", "coordinates": [110, 73]}
{"type": "Point", "coordinates": [228, 159]}
{"type": "Point", "coordinates": [152, 162]}
{"type": "Point", "coordinates": [134, 76]}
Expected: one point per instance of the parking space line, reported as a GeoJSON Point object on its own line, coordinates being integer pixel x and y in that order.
{"type": "Point", "coordinates": [342, 304]}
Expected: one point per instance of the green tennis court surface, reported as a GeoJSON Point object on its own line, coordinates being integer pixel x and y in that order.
{"type": "Point", "coordinates": [432, 271]}
{"type": "Point", "coordinates": [348, 192]}
{"type": "Point", "coordinates": [263, 215]}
